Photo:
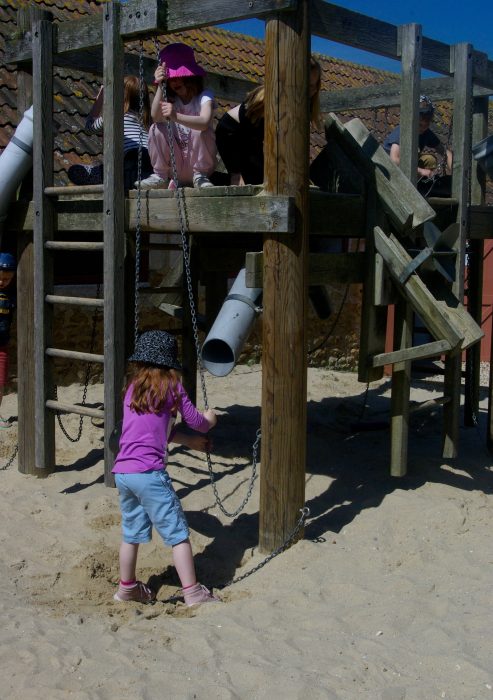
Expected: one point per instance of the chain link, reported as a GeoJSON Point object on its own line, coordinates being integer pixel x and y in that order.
{"type": "Point", "coordinates": [184, 227]}
{"type": "Point", "coordinates": [305, 513]}
{"type": "Point", "coordinates": [11, 459]}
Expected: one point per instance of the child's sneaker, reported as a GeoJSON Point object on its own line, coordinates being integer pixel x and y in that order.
{"type": "Point", "coordinates": [138, 592]}
{"type": "Point", "coordinates": [86, 174]}
{"type": "Point", "coordinates": [199, 594]}
{"type": "Point", "coordinates": [153, 182]}
{"type": "Point", "coordinates": [201, 180]}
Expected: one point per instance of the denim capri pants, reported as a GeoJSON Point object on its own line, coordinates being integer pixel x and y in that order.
{"type": "Point", "coordinates": [147, 499]}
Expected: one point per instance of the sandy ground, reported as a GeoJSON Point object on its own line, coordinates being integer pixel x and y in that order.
{"type": "Point", "coordinates": [387, 596]}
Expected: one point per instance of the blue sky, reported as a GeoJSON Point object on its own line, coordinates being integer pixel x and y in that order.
{"type": "Point", "coordinates": [452, 22]}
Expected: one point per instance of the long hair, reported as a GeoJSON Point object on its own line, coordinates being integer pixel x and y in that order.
{"type": "Point", "coordinates": [151, 387]}
{"type": "Point", "coordinates": [254, 102]}
{"type": "Point", "coordinates": [131, 99]}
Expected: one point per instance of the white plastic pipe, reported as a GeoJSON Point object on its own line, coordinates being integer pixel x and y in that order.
{"type": "Point", "coordinates": [233, 324]}
{"type": "Point", "coordinates": [16, 161]}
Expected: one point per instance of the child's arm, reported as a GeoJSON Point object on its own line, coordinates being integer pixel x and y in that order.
{"type": "Point", "coordinates": [200, 122]}
{"type": "Point", "coordinates": [159, 76]}
{"type": "Point", "coordinates": [201, 443]}
{"type": "Point", "coordinates": [94, 121]}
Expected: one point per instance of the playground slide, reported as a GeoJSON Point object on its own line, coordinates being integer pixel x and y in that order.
{"type": "Point", "coordinates": [230, 330]}
{"type": "Point", "coordinates": [16, 161]}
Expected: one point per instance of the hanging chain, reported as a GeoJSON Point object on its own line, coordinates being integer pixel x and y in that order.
{"type": "Point", "coordinates": [305, 513]}
{"type": "Point", "coordinates": [11, 459]}
{"type": "Point", "coordinates": [86, 381]}
{"type": "Point", "coordinates": [184, 227]}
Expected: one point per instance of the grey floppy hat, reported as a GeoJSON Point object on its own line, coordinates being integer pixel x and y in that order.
{"type": "Point", "coordinates": [157, 348]}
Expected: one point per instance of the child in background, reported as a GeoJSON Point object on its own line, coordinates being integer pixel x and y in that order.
{"type": "Point", "coordinates": [153, 396]}
{"type": "Point", "coordinates": [7, 305]}
{"type": "Point", "coordinates": [240, 132]}
{"type": "Point", "coordinates": [134, 133]}
{"type": "Point", "coordinates": [190, 110]}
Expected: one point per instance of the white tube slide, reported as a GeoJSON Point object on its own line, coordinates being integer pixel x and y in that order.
{"type": "Point", "coordinates": [15, 161]}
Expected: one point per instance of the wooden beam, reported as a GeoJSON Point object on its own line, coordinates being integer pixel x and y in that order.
{"type": "Point", "coordinates": [285, 300]}
{"type": "Point", "coordinates": [419, 352]}
{"type": "Point", "coordinates": [323, 268]}
{"type": "Point", "coordinates": [25, 292]}
{"type": "Point", "coordinates": [481, 222]}
{"type": "Point", "coordinates": [410, 44]}
{"type": "Point", "coordinates": [113, 223]}
{"type": "Point", "coordinates": [44, 429]}
{"type": "Point", "coordinates": [405, 207]}
{"type": "Point", "coordinates": [369, 34]}
{"type": "Point", "coordinates": [145, 18]}
{"type": "Point", "coordinates": [388, 95]}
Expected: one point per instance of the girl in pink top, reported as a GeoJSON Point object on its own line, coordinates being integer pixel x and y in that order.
{"type": "Point", "coordinates": [190, 110]}
{"type": "Point", "coordinates": [153, 397]}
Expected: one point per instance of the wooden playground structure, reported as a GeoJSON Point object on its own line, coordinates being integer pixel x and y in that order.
{"type": "Point", "coordinates": [225, 223]}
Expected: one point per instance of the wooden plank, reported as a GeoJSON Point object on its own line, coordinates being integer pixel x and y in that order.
{"type": "Point", "coordinates": [373, 318]}
{"type": "Point", "coordinates": [74, 355]}
{"type": "Point", "coordinates": [114, 236]}
{"type": "Point", "coordinates": [74, 301]}
{"type": "Point", "coordinates": [323, 268]}
{"type": "Point", "coordinates": [25, 293]}
{"type": "Point", "coordinates": [145, 18]}
{"type": "Point", "coordinates": [369, 34]}
{"type": "Point", "coordinates": [418, 352]}
{"type": "Point", "coordinates": [74, 408]}
{"type": "Point", "coordinates": [461, 174]}
{"type": "Point", "coordinates": [215, 214]}
{"type": "Point", "coordinates": [475, 270]}
{"type": "Point", "coordinates": [416, 292]}
{"type": "Point", "coordinates": [44, 433]}
{"type": "Point", "coordinates": [402, 203]}
{"type": "Point", "coordinates": [410, 42]}
{"type": "Point", "coordinates": [388, 95]}
{"type": "Point", "coordinates": [285, 299]}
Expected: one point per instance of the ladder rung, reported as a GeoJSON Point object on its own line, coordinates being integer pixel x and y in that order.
{"type": "Point", "coordinates": [74, 301]}
{"type": "Point", "coordinates": [74, 355]}
{"type": "Point", "coordinates": [71, 408]}
{"type": "Point", "coordinates": [74, 245]}
{"type": "Point", "coordinates": [74, 189]}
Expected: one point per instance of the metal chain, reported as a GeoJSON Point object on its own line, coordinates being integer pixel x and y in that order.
{"type": "Point", "coordinates": [11, 459]}
{"type": "Point", "coordinates": [86, 381]}
{"type": "Point", "coordinates": [184, 227]}
{"type": "Point", "coordinates": [305, 512]}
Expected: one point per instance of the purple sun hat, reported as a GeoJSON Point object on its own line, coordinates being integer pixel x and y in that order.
{"type": "Point", "coordinates": [180, 61]}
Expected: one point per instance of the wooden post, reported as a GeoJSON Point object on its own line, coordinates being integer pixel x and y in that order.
{"type": "Point", "coordinates": [411, 43]}
{"type": "Point", "coordinates": [25, 291]}
{"type": "Point", "coordinates": [461, 176]}
{"type": "Point", "coordinates": [42, 47]}
{"type": "Point", "coordinates": [284, 359]}
{"type": "Point", "coordinates": [113, 227]}
{"type": "Point", "coordinates": [475, 269]}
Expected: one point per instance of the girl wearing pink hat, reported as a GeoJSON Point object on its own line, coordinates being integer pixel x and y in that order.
{"type": "Point", "coordinates": [190, 110]}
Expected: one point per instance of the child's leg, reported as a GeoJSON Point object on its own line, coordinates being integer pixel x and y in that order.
{"type": "Point", "coordinates": [183, 561]}
{"type": "Point", "coordinates": [128, 561]}
{"type": "Point", "coordinates": [159, 152]}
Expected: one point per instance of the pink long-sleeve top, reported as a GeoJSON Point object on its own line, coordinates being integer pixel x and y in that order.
{"type": "Point", "coordinates": [145, 436]}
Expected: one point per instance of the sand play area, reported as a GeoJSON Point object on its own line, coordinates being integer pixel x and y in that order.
{"type": "Point", "coordinates": [388, 596]}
